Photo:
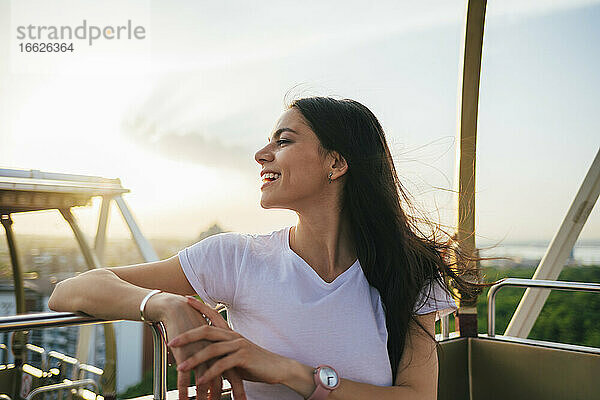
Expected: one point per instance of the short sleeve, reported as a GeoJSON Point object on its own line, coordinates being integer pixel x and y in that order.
{"type": "Point", "coordinates": [212, 266]}
{"type": "Point", "coordinates": [434, 297]}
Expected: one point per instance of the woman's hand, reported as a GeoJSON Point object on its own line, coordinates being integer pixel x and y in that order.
{"type": "Point", "coordinates": [229, 351]}
{"type": "Point", "coordinates": [179, 318]}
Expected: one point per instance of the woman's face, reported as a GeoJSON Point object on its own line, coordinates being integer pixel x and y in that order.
{"type": "Point", "coordinates": [293, 153]}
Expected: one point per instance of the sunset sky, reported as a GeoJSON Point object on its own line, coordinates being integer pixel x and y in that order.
{"type": "Point", "coordinates": [178, 115]}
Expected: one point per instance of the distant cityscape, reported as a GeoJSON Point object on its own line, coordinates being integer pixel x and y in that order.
{"type": "Point", "coordinates": [528, 254]}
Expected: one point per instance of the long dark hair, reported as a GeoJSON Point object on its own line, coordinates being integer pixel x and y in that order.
{"type": "Point", "coordinates": [397, 258]}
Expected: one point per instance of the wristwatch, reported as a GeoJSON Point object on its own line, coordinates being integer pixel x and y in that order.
{"type": "Point", "coordinates": [326, 379]}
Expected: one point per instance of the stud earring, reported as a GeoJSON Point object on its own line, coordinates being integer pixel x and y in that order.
{"type": "Point", "coordinates": [330, 174]}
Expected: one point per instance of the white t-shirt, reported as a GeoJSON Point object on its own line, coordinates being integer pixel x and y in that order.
{"type": "Point", "coordinates": [276, 300]}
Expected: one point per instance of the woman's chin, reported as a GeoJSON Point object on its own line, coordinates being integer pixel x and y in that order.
{"type": "Point", "coordinates": [267, 203]}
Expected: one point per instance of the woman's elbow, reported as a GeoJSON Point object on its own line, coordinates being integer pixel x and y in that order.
{"type": "Point", "coordinates": [55, 300]}
{"type": "Point", "coordinates": [62, 297]}
{"type": "Point", "coordinates": [53, 303]}
{"type": "Point", "coordinates": [416, 392]}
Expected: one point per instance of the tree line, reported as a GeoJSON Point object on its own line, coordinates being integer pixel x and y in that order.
{"type": "Point", "coordinates": [567, 317]}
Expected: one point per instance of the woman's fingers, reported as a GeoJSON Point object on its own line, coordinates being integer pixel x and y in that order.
{"type": "Point", "coordinates": [201, 386]}
{"type": "Point", "coordinates": [219, 367]}
{"type": "Point", "coordinates": [211, 313]}
{"type": "Point", "coordinates": [237, 386]}
{"type": "Point", "coordinates": [205, 332]}
{"type": "Point", "coordinates": [218, 332]}
{"type": "Point", "coordinates": [183, 379]}
{"type": "Point", "coordinates": [209, 352]}
{"type": "Point", "coordinates": [215, 388]}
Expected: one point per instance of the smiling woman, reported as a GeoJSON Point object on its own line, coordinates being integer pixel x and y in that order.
{"type": "Point", "coordinates": [340, 306]}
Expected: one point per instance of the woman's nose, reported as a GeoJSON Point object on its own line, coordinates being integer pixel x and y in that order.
{"type": "Point", "coordinates": [263, 155]}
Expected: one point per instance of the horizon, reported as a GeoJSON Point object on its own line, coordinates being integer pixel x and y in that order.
{"type": "Point", "coordinates": [581, 242]}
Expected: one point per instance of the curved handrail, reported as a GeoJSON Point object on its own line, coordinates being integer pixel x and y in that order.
{"type": "Point", "coordinates": [25, 322]}
{"type": "Point", "coordinates": [536, 283]}
{"type": "Point", "coordinates": [42, 352]}
{"type": "Point", "coordinates": [60, 386]}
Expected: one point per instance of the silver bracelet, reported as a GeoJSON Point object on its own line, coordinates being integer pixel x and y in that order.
{"type": "Point", "coordinates": [143, 305]}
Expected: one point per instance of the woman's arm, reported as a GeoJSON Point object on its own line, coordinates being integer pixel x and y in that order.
{"type": "Point", "coordinates": [116, 293]}
{"type": "Point", "coordinates": [417, 377]}
{"type": "Point", "coordinates": [418, 381]}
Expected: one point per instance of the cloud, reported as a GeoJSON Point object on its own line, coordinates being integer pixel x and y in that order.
{"type": "Point", "coordinates": [192, 145]}
{"type": "Point", "coordinates": [212, 117]}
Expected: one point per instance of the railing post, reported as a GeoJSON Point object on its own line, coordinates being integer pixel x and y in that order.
{"type": "Point", "coordinates": [159, 339]}
{"type": "Point", "coordinates": [445, 326]}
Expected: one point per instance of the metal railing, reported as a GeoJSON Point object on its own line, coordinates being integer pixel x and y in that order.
{"type": "Point", "coordinates": [55, 319]}
{"type": "Point", "coordinates": [534, 283]}
{"type": "Point", "coordinates": [41, 352]}
{"type": "Point", "coordinates": [445, 327]}
{"type": "Point", "coordinates": [65, 385]}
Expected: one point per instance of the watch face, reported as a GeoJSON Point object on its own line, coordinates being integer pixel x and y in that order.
{"type": "Point", "coordinates": [328, 377]}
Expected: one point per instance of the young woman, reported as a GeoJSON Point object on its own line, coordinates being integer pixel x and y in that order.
{"type": "Point", "coordinates": [340, 306]}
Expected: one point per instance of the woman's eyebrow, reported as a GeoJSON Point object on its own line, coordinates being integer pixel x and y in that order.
{"type": "Point", "coordinates": [279, 131]}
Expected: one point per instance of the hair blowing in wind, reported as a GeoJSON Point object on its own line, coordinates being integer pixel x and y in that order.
{"type": "Point", "coordinates": [397, 258]}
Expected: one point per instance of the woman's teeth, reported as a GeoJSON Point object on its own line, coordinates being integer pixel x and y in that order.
{"type": "Point", "coordinates": [269, 177]}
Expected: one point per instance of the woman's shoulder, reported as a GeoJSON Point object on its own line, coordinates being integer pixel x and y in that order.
{"type": "Point", "coordinates": [261, 237]}
{"type": "Point", "coordinates": [265, 241]}
{"type": "Point", "coordinates": [244, 239]}
{"type": "Point", "coordinates": [222, 238]}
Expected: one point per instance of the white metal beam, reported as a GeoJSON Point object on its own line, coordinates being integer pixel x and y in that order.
{"type": "Point", "coordinates": [557, 253]}
{"type": "Point", "coordinates": [142, 243]}
{"type": "Point", "coordinates": [88, 254]}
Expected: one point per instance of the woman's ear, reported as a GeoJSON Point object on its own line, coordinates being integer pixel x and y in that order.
{"type": "Point", "coordinates": [338, 164]}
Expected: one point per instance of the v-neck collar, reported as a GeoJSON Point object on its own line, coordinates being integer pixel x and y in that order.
{"type": "Point", "coordinates": [340, 279]}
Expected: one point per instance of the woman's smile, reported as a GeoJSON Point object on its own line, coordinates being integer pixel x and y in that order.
{"type": "Point", "coordinates": [268, 179]}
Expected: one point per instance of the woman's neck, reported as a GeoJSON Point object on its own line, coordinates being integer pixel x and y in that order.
{"type": "Point", "coordinates": [326, 245]}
